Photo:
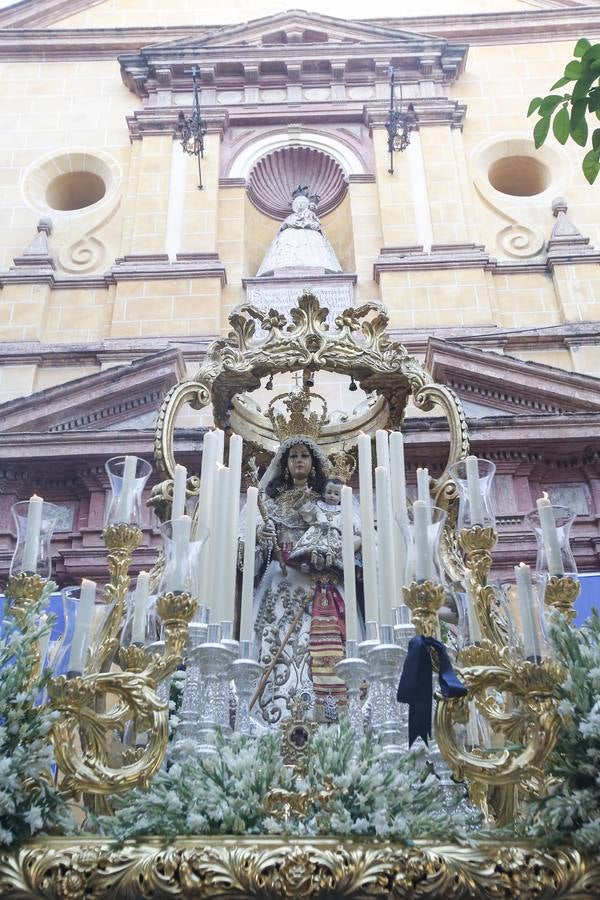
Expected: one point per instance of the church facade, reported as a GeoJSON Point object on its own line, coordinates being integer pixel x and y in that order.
{"type": "Point", "coordinates": [117, 270]}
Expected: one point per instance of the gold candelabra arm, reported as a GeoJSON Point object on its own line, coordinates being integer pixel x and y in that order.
{"type": "Point", "coordinates": [81, 737]}
{"type": "Point", "coordinates": [121, 542]}
{"type": "Point", "coordinates": [561, 592]}
{"type": "Point", "coordinates": [530, 724]}
{"type": "Point", "coordinates": [477, 544]}
{"type": "Point", "coordinates": [23, 591]}
{"type": "Point", "coordinates": [424, 599]}
{"type": "Point", "coordinates": [176, 611]}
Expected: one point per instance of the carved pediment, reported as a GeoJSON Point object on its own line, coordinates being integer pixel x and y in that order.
{"type": "Point", "coordinates": [124, 398]}
{"type": "Point", "coordinates": [494, 384]}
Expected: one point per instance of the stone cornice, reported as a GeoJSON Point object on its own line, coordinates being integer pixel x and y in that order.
{"type": "Point", "coordinates": [121, 350]}
{"type": "Point", "coordinates": [428, 111]}
{"type": "Point", "coordinates": [34, 41]}
{"type": "Point", "coordinates": [475, 256]}
{"type": "Point", "coordinates": [165, 120]}
{"type": "Point", "coordinates": [142, 267]}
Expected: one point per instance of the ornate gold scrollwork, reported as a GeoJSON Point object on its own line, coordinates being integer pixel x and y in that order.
{"type": "Point", "coordinates": [270, 868]}
{"type": "Point", "coordinates": [358, 346]}
{"type": "Point", "coordinates": [121, 542]}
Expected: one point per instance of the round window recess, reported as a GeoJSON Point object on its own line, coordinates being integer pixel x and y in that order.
{"type": "Point", "coordinates": [519, 176]}
{"type": "Point", "coordinates": [75, 190]}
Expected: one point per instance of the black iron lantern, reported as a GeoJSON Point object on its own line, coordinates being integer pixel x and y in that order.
{"type": "Point", "coordinates": [399, 124]}
{"type": "Point", "coordinates": [193, 128]}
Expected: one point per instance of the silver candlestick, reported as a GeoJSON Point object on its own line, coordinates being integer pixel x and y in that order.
{"type": "Point", "coordinates": [353, 670]}
{"type": "Point", "coordinates": [192, 687]}
{"type": "Point", "coordinates": [364, 649]}
{"type": "Point", "coordinates": [246, 672]}
{"type": "Point", "coordinates": [385, 662]}
{"type": "Point", "coordinates": [213, 660]}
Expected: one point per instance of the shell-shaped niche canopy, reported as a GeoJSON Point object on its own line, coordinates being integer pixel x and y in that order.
{"type": "Point", "coordinates": [274, 178]}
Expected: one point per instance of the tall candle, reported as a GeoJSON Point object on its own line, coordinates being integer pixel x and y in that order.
{"type": "Point", "coordinates": [179, 489]}
{"type": "Point", "coordinates": [474, 629]}
{"type": "Point", "coordinates": [83, 626]}
{"type": "Point", "coordinates": [219, 530]}
{"type": "Point", "coordinates": [423, 560]}
{"type": "Point", "coordinates": [125, 504]}
{"type": "Point", "coordinates": [348, 561]}
{"type": "Point", "coordinates": [140, 608]}
{"type": "Point", "coordinates": [232, 526]}
{"type": "Point", "coordinates": [220, 436]}
{"type": "Point", "coordinates": [249, 561]}
{"type": "Point", "coordinates": [367, 528]}
{"type": "Point", "coordinates": [182, 528]}
{"type": "Point", "coordinates": [527, 606]}
{"type": "Point", "coordinates": [383, 448]}
{"type": "Point", "coordinates": [550, 536]}
{"type": "Point", "coordinates": [398, 483]}
{"type": "Point", "coordinates": [423, 490]}
{"type": "Point", "coordinates": [203, 515]}
{"type": "Point", "coordinates": [32, 534]}
{"type": "Point", "coordinates": [473, 490]}
{"type": "Point", "coordinates": [385, 547]}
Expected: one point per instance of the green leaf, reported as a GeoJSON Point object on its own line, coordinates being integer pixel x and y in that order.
{"type": "Point", "coordinates": [549, 104]}
{"type": "Point", "coordinates": [594, 100]}
{"type": "Point", "coordinates": [578, 111]}
{"type": "Point", "coordinates": [579, 131]}
{"type": "Point", "coordinates": [581, 46]}
{"type": "Point", "coordinates": [591, 54]}
{"type": "Point", "coordinates": [534, 105]}
{"type": "Point", "coordinates": [540, 132]}
{"type": "Point", "coordinates": [596, 139]}
{"type": "Point", "coordinates": [573, 70]}
{"type": "Point", "coordinates": [560, 83]}
{"type": "Point", "coordinates": [591, 165]}
{"type": "Point", "coordinates": [582, 87]}
{"type": "Point", "coordinates": [561, 125]}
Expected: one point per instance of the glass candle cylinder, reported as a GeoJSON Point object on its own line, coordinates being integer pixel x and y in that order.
{"type": "Point", "coordinates": [474, 478]}
{"type": "Point", "coordinates": [64, 607]}
{"type": "Point", "coordinates": [422, 530]}
{"type": "Point", "coordinates": [554, 557]}
{"type": "Point", "coordinates": [144, 632]}
{"type": "Point", "coordinates": [182, 556]}
{"type": "Point", "coordinates": [128, 476]}
{"type": "Point", "coordinates": [91, 613]}
{"type": "Point", "coordinates": [35, 521]}
{"type": "Point", "coordinates": [530, 602]}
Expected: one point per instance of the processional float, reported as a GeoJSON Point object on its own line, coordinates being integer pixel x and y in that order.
{"type": "Point", "coordinates": [496, 736]}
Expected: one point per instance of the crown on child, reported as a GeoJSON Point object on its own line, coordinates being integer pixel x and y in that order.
{"type": "Point", "coordinates": [342, 465]}
{"type": "Point", "coordinates": [300, 419]}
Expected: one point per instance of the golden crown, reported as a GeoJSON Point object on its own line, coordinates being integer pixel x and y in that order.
{"type": "Point", "coordinates": [342, 465]}
{"type": "Point", "coordinates": [300, 420]}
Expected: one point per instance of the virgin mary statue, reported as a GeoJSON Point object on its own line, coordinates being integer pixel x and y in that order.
{"type": "Point", "coordinates": [300, 242]}
{"type": "Point", "coordinates": [299, 613]}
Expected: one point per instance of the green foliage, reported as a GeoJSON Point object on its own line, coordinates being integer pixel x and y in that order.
{"type": "Point", "coordinates": [572, 811]}
{"type": "Point", "coordinates": [348, 789]}
{"type": "Point", "coordinates": [568, 112]}
{"type": "Point", "coordinates": [29, 802]}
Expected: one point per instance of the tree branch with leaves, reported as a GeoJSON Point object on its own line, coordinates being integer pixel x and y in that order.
{"type": "Point", "coordinates": [568, 113]}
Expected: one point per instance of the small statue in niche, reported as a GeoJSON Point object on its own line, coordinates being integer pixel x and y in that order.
{"type": "Point", "coordinates": [300, 242]}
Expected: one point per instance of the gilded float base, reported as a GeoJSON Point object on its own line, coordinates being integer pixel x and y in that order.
{"type": "Point", "coordinates": [274, 867]}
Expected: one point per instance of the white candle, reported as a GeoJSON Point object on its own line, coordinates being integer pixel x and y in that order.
{"type": "Point", "coordinates": [398, 483]}
{"type": "Point", "coordinates": [382, 447]}
{"type": "Point", "coordinates": [83, 626]}
{"type": "Point", "coordinates": [43, 641]}
{"type": "Point", "coordinates": [385, 547]}
{"type": "Point", "coordinates": [367, 526]}
{"type": "Point", "coordinates": [220, 436]}
{"type": "Point", "coordinates": [249, 559]}
{"type": "Point", "coordinates": [219, 530]}
{"type": "Point", "coordinates": [423, 560]}
{"type": "Point", "coordinates": [474, 629]}
{"type": "Point", "coordinates": [232, 526]}
{"type": "Point", "coordinates": [125, 503]}
{"type": "Point", "coordinates": [348, 561]}
{"type": "Point", "coordinates": [182, 528]}
{"type": "Point", "coordinates": [140, 608]}
{"type": "Point", "coordinates": [527, 606]}
{"type": "Point", "coordinates": [472, 729]}
{"type": "Point", "coordinates": [473, 491]}
{"type": "Point", "coordinates": [32, 534]}
{"type": "Point", "coordinates": [550, 536]}
{"type": "Point", "coordinates": [179, 489]}
{"type": "Point", "coordinates": [203, 511]}
{"type": "Point", "coordinates": [423, 490]}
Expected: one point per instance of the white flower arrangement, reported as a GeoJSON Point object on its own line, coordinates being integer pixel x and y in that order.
{"type": "Point", "coordinates": [29, 802]}
{"type": "Point", "coordinates": [571, 812]}
{"type": "Point", "coordinates": [347, 790]}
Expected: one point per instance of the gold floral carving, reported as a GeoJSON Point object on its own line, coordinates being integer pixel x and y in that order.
{"type": "Point", "coordinates": [272, 867]}
{"type": "Point", "coordinates": [561, 592]}
{"type": "Point", "coordinates": [357, 346]}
